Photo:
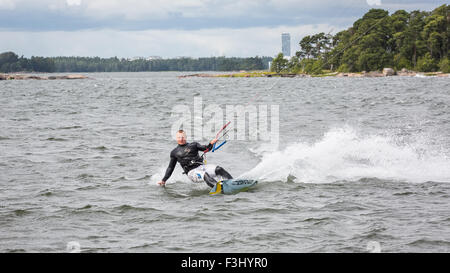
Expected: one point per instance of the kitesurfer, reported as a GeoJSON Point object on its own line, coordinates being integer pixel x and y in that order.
{"type": "Point", "coordinates": [193, 165]}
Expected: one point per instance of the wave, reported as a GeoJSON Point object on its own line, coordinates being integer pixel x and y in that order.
{"type": "Point", "coordinates": [345, 154]}
{"type": "Point", "coordinates": [69, 127]}
{"type": "Point", "coordinates": [125, 208]}
{"type": "Point", "coordinates": [101, 148]}
{"type": "Point", "coordinates": [21, 212]}
{"type": "Point", "coordinates": [56, 139]}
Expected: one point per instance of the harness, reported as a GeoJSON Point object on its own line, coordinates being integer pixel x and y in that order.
{"type": "Point", "coordinates": [196, 163]}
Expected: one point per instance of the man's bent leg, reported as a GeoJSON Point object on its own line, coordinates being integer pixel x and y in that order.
{"type": "Point", "coordinates": [207, 173]}
{"type": "Point", "coordinates": [209, 180]}
{"type": "Point", "coordinates": [221, 171]}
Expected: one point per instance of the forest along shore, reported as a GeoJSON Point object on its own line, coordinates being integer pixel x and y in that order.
{"type": "Point", "coordinates": [35, 77]}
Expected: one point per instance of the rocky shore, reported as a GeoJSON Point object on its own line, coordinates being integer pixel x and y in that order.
{"type": "Point", "coordinates": [387, 72]}
{"type": "Point", "coordinates": [244, 75]}
{"type": "Point", "coordinates": [35, 77]}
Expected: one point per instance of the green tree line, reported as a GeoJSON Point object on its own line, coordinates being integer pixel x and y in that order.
{"type": "Point", "coordinates": [96, 64]}
{"type": "Point", "coordinates": [10, 62]}
{"type": "Point", "coordinates": [416, 40]}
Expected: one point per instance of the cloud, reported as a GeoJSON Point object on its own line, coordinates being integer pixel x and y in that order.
{"type": "Point", "coordinates": [174, 14]}
{"type": "Point", "coordinates": [374, 2]}
{"type": "Point", "coordinates": [410, 5]}
{"type": "Point", "coordinates": [128, 28]}
{"type": "Point", "coordinates": [7, 4]}
{"type": "Point", "coordinates": [73, 2]}
{"type": "Point", "coordinates": [51, 15]}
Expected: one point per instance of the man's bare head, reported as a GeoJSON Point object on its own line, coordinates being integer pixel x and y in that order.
{"type": "Point", "coordinates": [181, 137]}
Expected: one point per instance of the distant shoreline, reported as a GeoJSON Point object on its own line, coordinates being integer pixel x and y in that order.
{"type": "Point", "coordinates": [371, 74]}
{"type": "Point", "coordinates": [240, 74]}
{"type": "Point", "coordinates": [35, 77]}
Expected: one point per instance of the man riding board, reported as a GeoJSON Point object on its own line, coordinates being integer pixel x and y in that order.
{"type": "Point", "coordinates": [187, 155]}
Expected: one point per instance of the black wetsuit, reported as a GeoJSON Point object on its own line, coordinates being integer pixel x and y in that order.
{"type": "Point", "coordinates": [187, 156]}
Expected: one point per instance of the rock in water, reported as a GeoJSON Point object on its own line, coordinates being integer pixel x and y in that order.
{"type": "Point", "coordinates": [388, 71]}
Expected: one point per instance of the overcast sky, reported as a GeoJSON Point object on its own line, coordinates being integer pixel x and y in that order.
{"type": "Point", "coordinates": [171, 28]}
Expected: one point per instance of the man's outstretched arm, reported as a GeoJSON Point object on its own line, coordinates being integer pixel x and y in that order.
{"type": "Point", "coordinates": [169, 171]}
{"type": "Point", "coordinates": [204, 147]}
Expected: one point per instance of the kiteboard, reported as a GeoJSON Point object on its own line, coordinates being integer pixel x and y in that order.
{"type": "Point", "coordinates": [231, 186]}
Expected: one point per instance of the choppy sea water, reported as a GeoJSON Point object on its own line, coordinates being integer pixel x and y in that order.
{"type": "Point", "coordinates": [363, 164]}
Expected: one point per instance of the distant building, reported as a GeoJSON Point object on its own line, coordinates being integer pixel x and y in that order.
{"type": "Point", "coordinates": [153, 58]}
{"type": "Point", "coordinates": [286, 44]}
{"type": "Point", "coordinates": [135, 58]}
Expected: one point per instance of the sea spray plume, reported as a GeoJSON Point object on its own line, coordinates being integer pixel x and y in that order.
{"type": "Point", "coordinates": [345, 154]}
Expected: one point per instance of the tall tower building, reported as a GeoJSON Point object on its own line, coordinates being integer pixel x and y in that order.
{"type": "Point", "coordinates": [286, 44]}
